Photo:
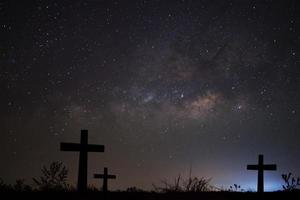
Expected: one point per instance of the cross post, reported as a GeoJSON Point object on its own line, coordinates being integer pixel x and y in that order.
{"type": "Point", "coordinates": [261, 167]}
{"type": "Point", "coordinates": [105, 176]}
{"type": "Point", "coordinates": [83, 148]}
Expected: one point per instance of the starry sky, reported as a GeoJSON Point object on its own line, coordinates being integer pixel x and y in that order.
{"type": "Point", "coordinates": [165, 85]}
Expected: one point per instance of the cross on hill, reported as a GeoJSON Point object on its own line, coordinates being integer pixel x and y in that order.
{"type": "Point", "coordinates": [105, 176]}
{"type": "Point", "coordinates": [260, 168]}
{"type": "Point", "coordinates": [83, 148]}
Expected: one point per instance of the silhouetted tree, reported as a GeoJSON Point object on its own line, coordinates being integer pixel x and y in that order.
{"type": "Point", "coordinates": [291, 183]}
{"type": "Point", "coordinates": [53, 177]}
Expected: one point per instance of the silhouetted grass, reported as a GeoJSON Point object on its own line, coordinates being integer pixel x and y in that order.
{"type": "Point", "coordinates": [52, 183]}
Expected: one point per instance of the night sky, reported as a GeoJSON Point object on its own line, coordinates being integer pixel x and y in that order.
{"type": "Point", "coordinates": [165, 85]}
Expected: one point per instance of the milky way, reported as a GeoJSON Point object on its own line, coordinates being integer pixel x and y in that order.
{"type": "Point", "coordinates": [165, 85]}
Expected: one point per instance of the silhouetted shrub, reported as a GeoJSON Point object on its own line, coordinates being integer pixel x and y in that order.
{"type": "Point", "coordinates": [196, 184]}
{"type": "Point", "coordinates": [191, 184]}
{"type": "Point", "coordinates": [53, 178]}
{"type": "Point", "coordinates": [20, 186]}
{"type": "Point", "coordinates": [134, 189]}
{"type": "Point", "coordinates": [235, 188]}
{"type": "Point", "coordinates": [92, 188]}
{"type": "Point", "coordinates": [4, 187]}
{"type": "Point", "coordinates": [291, 183]}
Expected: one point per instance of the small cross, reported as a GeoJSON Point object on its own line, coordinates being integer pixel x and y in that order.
{"type": "Point", "coordinates": [105, 176]}
{"type": "Point", "coordinates": [261, 168]}
{"type": "Point", "coordinates": [83, 148]}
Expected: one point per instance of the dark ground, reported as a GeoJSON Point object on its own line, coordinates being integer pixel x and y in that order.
{"type": "Point", "coordinates": [156, 196]}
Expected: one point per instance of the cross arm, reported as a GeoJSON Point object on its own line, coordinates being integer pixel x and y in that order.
{"type": "Point", "coordinates": [95, 148]}
{"type": "Point", "coordinates": [77, 147]}
{"type": "Point", "coordinates": [271, 167]}
{"type": "Point", "coordinates": [112, 176]}
{"type": "Point", "coordinates": [252, 167]}
{"type": "Point", "coordinates": [99, 176]}
{"type": "Point", "coordinates": [69, 146]}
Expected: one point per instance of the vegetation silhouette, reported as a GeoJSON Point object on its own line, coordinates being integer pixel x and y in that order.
{"type": "Point", "coordinates": [291, 183]}
{"type": "Point", "coordinates": [189, 184]}
{"type": "Point", "coordinates": [18, 186]}
{"type": "Point", "coordinates": [53, 182]}
{"type": "Point", "coordinates": [235, 188]}
{"type": "Point", "coordinates": [53, 178]}
{"type": "Point", "coordinates": [134, 189]}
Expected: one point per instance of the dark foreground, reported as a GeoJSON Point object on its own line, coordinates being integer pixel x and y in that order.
{"type": "Point", "coordinates": [156, 196]}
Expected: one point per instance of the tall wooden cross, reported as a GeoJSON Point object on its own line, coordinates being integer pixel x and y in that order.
{"type": "Point", "coordinates": [105, 176]}
{"type": "Point", "coordinates": [261, 168]}
{"type": "Point", "coordinates": [83, 148]}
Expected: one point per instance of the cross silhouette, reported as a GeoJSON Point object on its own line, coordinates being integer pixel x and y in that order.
{"type": "Point", "coordinates": [105, 176]}
{"type": "Point", "coordinates": [261, 168]}
{"type": "Point", "coordinates": [83, 148]}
